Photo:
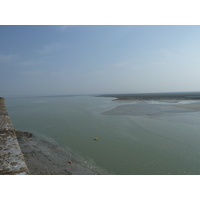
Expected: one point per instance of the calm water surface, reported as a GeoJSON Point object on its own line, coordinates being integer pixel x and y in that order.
{"type": "Point", "coordinates": [134, 137]}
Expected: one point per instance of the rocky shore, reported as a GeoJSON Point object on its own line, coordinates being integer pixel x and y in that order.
{"type": "Point", "coordinates": [46, 158]}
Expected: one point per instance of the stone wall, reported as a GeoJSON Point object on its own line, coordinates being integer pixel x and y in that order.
{"type": "Point", "coordinates": [11, 157]}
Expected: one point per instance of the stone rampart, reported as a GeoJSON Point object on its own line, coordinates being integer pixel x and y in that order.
{"type": "Point", "coordinates": [11, 158]}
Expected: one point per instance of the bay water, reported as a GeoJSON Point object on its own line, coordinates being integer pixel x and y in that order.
{"type": "Point", "coordinates": [134, 138]}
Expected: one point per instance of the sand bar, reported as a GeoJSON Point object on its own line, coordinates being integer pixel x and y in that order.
{"type": "Point", "coordinates": [191, 106]}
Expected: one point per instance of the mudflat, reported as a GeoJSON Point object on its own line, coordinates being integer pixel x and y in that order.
{"type": "Point", "coordinates": [45, 158]}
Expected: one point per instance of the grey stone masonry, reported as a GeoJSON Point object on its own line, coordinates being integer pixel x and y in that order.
{"type": "Point", "coordinates": [11, 158]}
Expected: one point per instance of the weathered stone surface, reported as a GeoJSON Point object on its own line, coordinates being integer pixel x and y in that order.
{"type": "Point", "coordinates": [11, 158]}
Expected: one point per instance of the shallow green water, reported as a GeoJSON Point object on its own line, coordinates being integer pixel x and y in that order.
{"type": "Point", "coordinates": [143, 142]}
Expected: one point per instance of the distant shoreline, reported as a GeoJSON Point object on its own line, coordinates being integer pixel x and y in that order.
{"type": "Point", "coordinates": [176, 97]}
{"type": "Point", "coordinates": [155, 96]}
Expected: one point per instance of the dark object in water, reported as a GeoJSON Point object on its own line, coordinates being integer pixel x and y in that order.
{"type": "Point", "coordinates": [96, 138]}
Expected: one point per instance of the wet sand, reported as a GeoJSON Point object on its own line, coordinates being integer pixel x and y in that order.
{"type": "Point", "coordinates": [191, 106]}
{"type": "Point", "coordinates": [46, 158]}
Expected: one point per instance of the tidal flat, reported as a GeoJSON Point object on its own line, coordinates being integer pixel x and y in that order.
{"type": "Point", "coordinates": [46, 157]}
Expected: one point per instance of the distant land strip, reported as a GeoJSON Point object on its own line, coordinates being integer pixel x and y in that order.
{"type": "Point", "coordinates": [155, 96]}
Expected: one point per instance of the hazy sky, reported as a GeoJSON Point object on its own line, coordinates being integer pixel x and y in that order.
{"type": "Point", "coordinates": [48, 60]}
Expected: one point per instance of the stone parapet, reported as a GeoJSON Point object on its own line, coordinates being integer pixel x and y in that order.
{"type": "Point", "coordinates": [11, 157]}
